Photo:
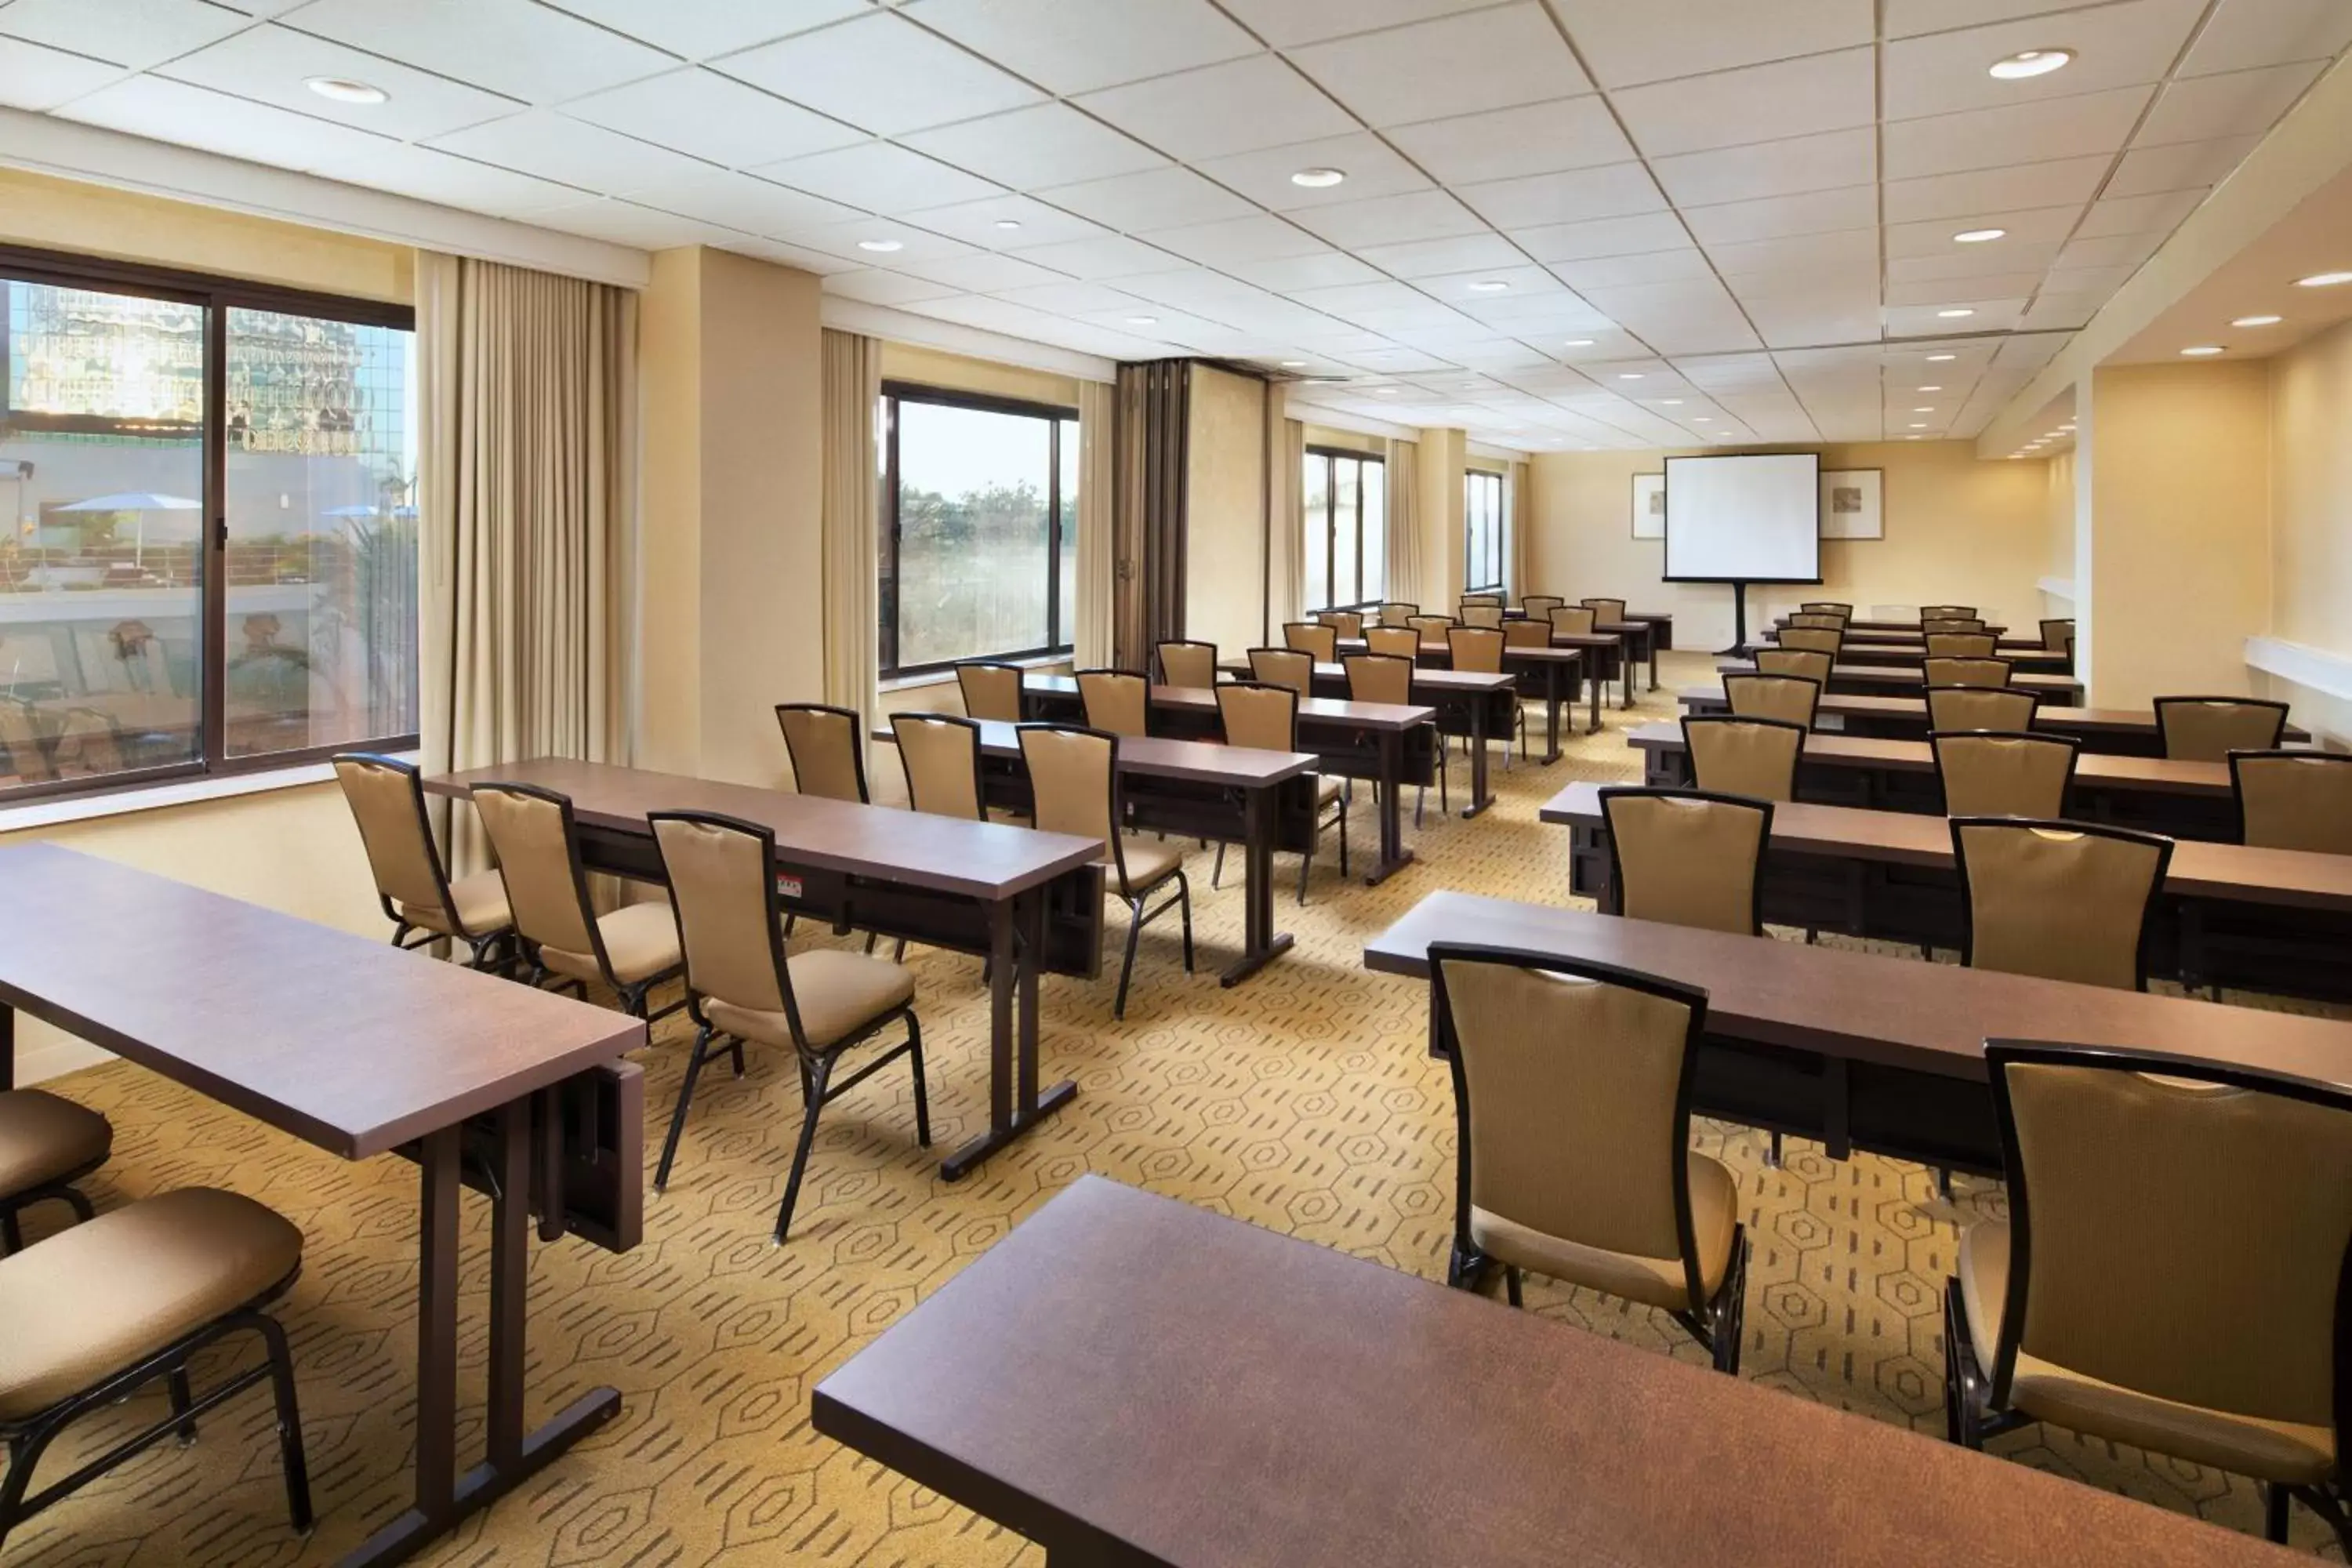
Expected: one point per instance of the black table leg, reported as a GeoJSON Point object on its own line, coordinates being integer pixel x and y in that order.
{"type": "Point", "coordinates": [1015, 1104]}
{"type": "Point", "coordinates": [7, 1047]}
{"type": "Point", "coordinates": [1555, 672]}
{"type": "Point", "coordinates": [1260, 944]}
{"type": "Point", "coordinates": [1625, 665]}
{"type": "Point", "coordinates": [1478, 801]}
{"type": "Point", "coordinates": [1393, 854]}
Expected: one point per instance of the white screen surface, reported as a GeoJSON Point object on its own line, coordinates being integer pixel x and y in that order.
{"type": "Point", "coordinates": [1753, 519]}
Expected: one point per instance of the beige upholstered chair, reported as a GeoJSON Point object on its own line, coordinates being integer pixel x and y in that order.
{"type": "Point", "coordinates": [2056, 635]}
{"type": "Point", "coordinates": [1956, 708]}
{"type": "Point", "coordinates": [1377, 677]}
{"type": "Point", "coordinates": [1116, 700]}
{"type": "Point", "coordinates": [1811, 663]}
{"type": "Point", "coordinates": [1284, 667]}
{"type": "Point", "coordinates": [1192, 665]}
{"type": "Point", "coordinates": [1537, 607]}
{"type": "Point", "coordinates": [1961, 644]}
{"type": "Point", "coordinates": [1813, 639]}
{"type": "Point", "coordinates": [1476, 650]}
{"type": "Point", "coordinates": [1757, 758]}
{"type": "Point", "coordinates": [1574, 620]}
{"type": "Point", "coordinates": [1687, 858]}
{"type": "Point", "coordinates": [741, 987]}
{"type": "Point", "coordinates": [1815, 620]}
{"type": "Point", "coordinates": [1349, 624]}
{"type": "Point", "coordinates": [1572, 1101]}
{"type": "Point", "coordinates": [387, 800]}
{"type": "Point", "coordinates": [827, 752]}
{"type": "Point", "coordinates": [1607, 612]}
{"type": "Point", "coordinates": [1489, 616]}
{"type": "Point", "coordinates": [991, 691]}
{"type": "Point", "coordinates": [1986, 772]}
{"type": "Point", "coordinates": [1791, 698]}
{"type": "Point", "coordinates": [1484, 598]}
{"type": "Point", "coordinates": [1945, 613]}
{"type": "Point", "coordinates": [1074, 775]}
{"type": "Point", "coordinates": [2293, 800]}
{"type": "Point", "coordinates": [1266, 717]}
{"type": "Point", "coordinates": [2207, 728]}
{"type": "Point", "coordinates": [2171, 1274]}
{"type": "Point", "coordinates": [1991, 673]}
{"type": "Point", "coordinates": [2065, 900]}
{"type": "Point", "coordinates": [1523, 632]}
{"type": "Point", "coordinates": [1431, 628]}
{"type": "Point", "coordinates": [1951, 626]}
{"type": "Point", "coordinates": [1318, 641]}
{"type": "Point", "coordinates": [100, 1311]}
{"type": "Point", "coordinates": [1396, 613]}
{"type": "Point", "coordinates": [941, 754]}
{"type": "Point", "coordinates": [1826, 607]}
{"type": "Point", "coordinates": [46, 1145]}
{"type": "Point", "coordinates": [1401, 642]}
{"type": "Point", "coordinates": [632, 949]}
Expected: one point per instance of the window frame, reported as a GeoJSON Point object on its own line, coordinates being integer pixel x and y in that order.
{"type": "Point", "coordinates": [1060, 641]}
{"type": "Point", "coordinates": [1479, 478]}
{"type": "Point", "coordinates": [217, 296]}
{"type": "Point", "coordinates": [1331, 522]}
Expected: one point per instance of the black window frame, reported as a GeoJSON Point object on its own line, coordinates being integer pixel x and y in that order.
{"type": "Point", "coordinates": [1060, 641]}
{"type": "Point", "coordinates": [1331, 525]}
{"type": "Point", "coordinates": [1471, 479]}
{"type": "Point", "coordinates": [217, 296]}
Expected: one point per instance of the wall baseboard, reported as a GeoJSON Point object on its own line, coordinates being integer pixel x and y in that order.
{"type": "Point", "coordinates": [2316, 669]}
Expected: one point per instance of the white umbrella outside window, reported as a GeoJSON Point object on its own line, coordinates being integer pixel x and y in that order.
{"type": "Point", "coordinates": [141, 502]}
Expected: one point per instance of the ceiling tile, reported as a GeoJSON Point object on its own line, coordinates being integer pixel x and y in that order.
{"type": "Point", "coordinates": [1504, 144]}
{"type": "Point", "coordinates": [2242, 103]}
{"type": "Point", "coordinates": [1576, 196]}
{"type": "Point", "coordinates": [134, 33]}
{"type": "Point", "coordinates": [1789, 167]}
{"type": "Point", "coordinates": [431, 176]}
{"type": "Point", "coordinates": [1984, 316]}
{"type": "Point", "coordinates": [2115, 46]}
{"type": "Point", "coordinates": [1855, 246]}
{"type": "Point", "coordinates": [714, 117]}
{"type": "Point", "coordinates": [165, 111]}
{"type": "Point", "coordinates": [2014, 133]}
{"type": "Point", "coordinates": [880, 72]}
{"type": "Point", "coordinates": [2058, 182]}
{"type": "Point", "coordinates": [274, 65]}
{"type": "Point", "coordinates": [982, 272]}
{"type": "Point", "coordinates": [552, 147]}
{"type": "Point", "coordinates": [1236, 107]}
{"type": "Point", "coordinates": [1077, 46]}
{"type": "Point", "coordinates": [2061, 310]}
{"type": "Point", "coordinates": [2139, 215]}
{"type": "Point", "coordinates": [1619, 272]}
{"type": "Point", "coordinates": [1323, 269]}
{"type": "Point", "coordinates": [1258, 238]}
{"type": "Point", "coordinates": [1526, 285]}
{"type": "Point", "coordinates": [2110, 250]}
{"type": "Point", "coordinates": [1937, 291]}
{"type": "Point", "coordinates": [2180, 166]}
{"type": "Point", "coordinates": [1066, 299]}
{"type": "Point", "coordinates": [1609, 237]}
{"type": "Point", "coordinates": [1453, 65]}
{"type": "Point", "coordinates": [740, 201]}
{"type": "Point", "coordinates": [1110, 257]}
{"type": "Point", "coordinates": [33, 76]}
{"type": "Point", "coordinates": [1419, 215]}
{"type": "Point", "coordinates": [1046, 144]}
{"type": "Point", "coordinates": [1372, 167]}
{"type": "Point", "coordinates": [2010, 254]}
{"type": "Point", "coordinates": [1756, 104]}
{"type": "Point", "coordinates": [983, 222]}
{"type": "Point", "coordinates": [880, 177]}
{"type": "Point", "coordinates": [1157, 198]}
{"type": "Point", "coordinates": [1625, 43]}
{"type": "Point", "coordinates": [626, 223]}
{"type": "Point", "coordinates": [1816, 212]}
{"type": "Point", "coordinates": [514, 46]}
{"type": "Point", "coordinates": [845, 239]}
{"type": "Point", "coordinates": [1436, 257]}
{"type": "Point", "coordinates": [2244, 34]}
{"type": "Point", "coordinates": [879, 288]}
{"type": "Point", "coordinates": [698, 29]}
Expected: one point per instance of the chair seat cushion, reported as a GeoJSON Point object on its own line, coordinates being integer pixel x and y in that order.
{"type": "Point", "coordinates": [837, 994]}
{"type": "Point", "coordinates": [1327, 790]}
{"type": "Point", "coordinates": [1149, 862]}
{"type": "Point", "coordinates": [481, 901]}
{"type": "Point", "coordinates": [95, 1301]}
{"type": "Point", "coordinates": [43, 1138]}
{"type": "Point", "coordinates": [2244, 1445]}
{"type": "Point", "coordinates": [641, 941]}
{"type": "Point", "coordinates": [1654, 1282]}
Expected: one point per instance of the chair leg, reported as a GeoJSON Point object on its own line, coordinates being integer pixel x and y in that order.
{"type": "Point", "coordinates": [819, 1070]}
{"type": "Point", "coordinates": [290, 1424]}
{"type": "Point", "coordinates": [899, 953]}
{"type": "Point", "coordinates": [1306, 863]}
{"type": "Point", "coordinates": [1343, 844]}
{"type": "Point", "coordinates": [736, 1050]}
{"type": "Point", "coordinates": [1944, 1184]}
{"type": "Point", "coordinates": [2276, 1500]}
{"type": "Point", "coordinates": [922, 1099]}
{"type": "Point", "coordinates": [181, 1397]}
{"type": "Point", "coordinates": [869, 944]}
{"type": "Point", "coordinates": [1511, 1285]}
{"type": "Point", "coordinates": [12, 1234]}
{"type": "Point", "coordinates": [685, 1097]}
{"type": "Point", "coordinates": [1184, 913]}
{"type": "Point", "coordinates": [1217, 871]}
{"type": "Point", "coordinates": [1127, 965]}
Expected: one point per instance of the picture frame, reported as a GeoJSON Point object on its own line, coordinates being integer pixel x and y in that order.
{"type": "Point", "coordinates": [1649, 506]}
{"type": "Point", "coordinates": [1854, 504]}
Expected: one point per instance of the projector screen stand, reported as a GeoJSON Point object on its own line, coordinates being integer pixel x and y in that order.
{"type": "Point", "coordinates": [1738, 648]}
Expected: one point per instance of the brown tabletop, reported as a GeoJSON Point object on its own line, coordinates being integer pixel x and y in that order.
{"type": "Point", "coordinates": [1466, 700]}
{"type": "Point", "coordinates": [1888, 628]}
{"type": "Point", "coordinates": [1130, 1380]}
{"type": "Point", "coordinates": [2132, 726]}
{"type": "Point", "coordinates": [1156, 756]}
{"type": "Point", "coordinates": [1895, 677]}
{"type": "Point", "coordinates": [1311, 710]}
{"type": "Point", "coordinates": [2154, 775]}
{"type": "Point", "coordinates": [1895, 644]}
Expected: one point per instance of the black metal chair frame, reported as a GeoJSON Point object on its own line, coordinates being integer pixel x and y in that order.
{"type": "Point", "coordinates": [56, 1189]}
{"type": "Point", "coordinates": [2039, 737]}
{"type": "Point", "coordinates": [1338, 808]}
{"type": "Point", "coordinates": [856, 750]}
{"type": "Point", "coordinates": [2156, 841]}
{"type": "Point", "coordinates": [2277, 708]}
{"type": "Point", "coordinates": [495, 953]}
{"type": "Point", "coordinates": [1705, 720]}
{"type": "Point", "coordinates": [1745, 802]}
{"type": "Point", "coordinates": [2237, 783]}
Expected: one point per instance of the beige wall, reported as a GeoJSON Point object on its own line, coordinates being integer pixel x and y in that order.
{"type": "Point", "coordinates": [955, 373]}
{"type": "Point", "coordinates": [1224, 510]}
{"type": "Point", "coordinates": [2311, 515]}
{"type": "Point", "coordinates": [1957, 530]}
{"type": "Point", "coordinates": [1439, 479]}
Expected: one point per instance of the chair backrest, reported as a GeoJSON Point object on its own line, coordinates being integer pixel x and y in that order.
{"type": "Point", "coordinates": [1990, 773]}
{"type": "Point", "coordinates": [2056, 635]}
{"type": "Point", "coordinates": [941, 754]}
{"type": "Point", "coordinates": [1379, 678]}
{"type": "Point", "coordinates": [1397, 613]}
{"type": "Point", "coordinates": [2293, 800]}
{"type": "Point", "coordinates": [1524, 632]}
{"type": "Point", "coordinates": [1826, 607]}
{"type": "Point", "coordinates": [1484, 598]}
{"type": "Point", "coordinates": [1284, 667]}
{"type": "Point", "coordinates": [1188, 663]}
{"type": "Point", "coordinates": [1402, 642]}
{"type": "Point", "coordinates": [1983, 672]}
{"type": "Point", "coordinates": [1960, 644]}
{"type": "Point", "coordinates": [1308, 638]}
{"type": "Point", "coordinates": [1688, 858]}
{"type": "Point", "coordinates": [1478, 649]}
{"type": "Point", "coordinates": [1813, 639]}
{"type": "Point", "coordinates": [1349, 624]}
{"type": "Point", "coordinates": [1572, 1097]}
{"type": "Point", "coordinates": [2207, 728]}
{"type": "Point", "coordinates": [827, 759]}
{"type": "Point", "coordinates": [991, 691]}
{"type": "Point", "coordinates": [531, 833]}
{"type": "Point", "coordinates": [387, 800]}
{"type": "Point", "coordinates": [1431, 628]}
{"type": "Point", "coordinates": [1944, 623]}
{"type": "Point", "coordinates": [1074, 785]}
{"type": "Point", "coordinates": [2065, 900]}
{"type": "Point", "coordinates": [2177, 1228]}
{"type": "Point", "coordinates": [2007, 709]}
{"type": "Point", "coordinates": [722, 887]}
{"type": "Point", "coordinates": [1540, 606]}
{"type": "Point", "coordinates": [1116, 700]}
{"type": "Point", "coordinates": [1945, 611]}
{"type": "Point", "coordinates": [1753, 757]}
{"type": "Point", "coordinates": [1811, 663]}
{"type": "Point", "coordinates": [1259, 714]}
{"type": "Point", "coordinates": [1817, 621]}
{"type": "Point", "coordinates": [1575, 620]}
{"type": "Point", "coordinates": [1607, 612]}
{"type": "Point", "coordinates": [1485, 615]}
{"type": "Point", "coordinates": [1791, 698]}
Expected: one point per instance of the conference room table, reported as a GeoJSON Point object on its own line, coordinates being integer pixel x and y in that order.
{"type": "Point", "coordinates": [1391, 744]}
{"type": "Point", "coordinates": [1552, 675]}
{"type": "Point", "coordinates": [1129, 1380]}
{"type": "Point", "coordinates": [2229, 914]}
{"type": "Point", "coordinates": [970, 887]}
{"type": "Point", "coordinates": [2031, 659]}
{"type": "Point", "coordinates": [1655, 630]}
{"type": "Point", "coordinates": [2106, 731]}
{"type": "Point", "coordinates": [1898, 680]}
{"type": "Point", "coordinates": [358, 1049]}
{"type": "Point", "coordinates": [2185, 800]}
{"type": "Point", "coordinates": [1890, 631]}
{"type": "Point", "coordinates": [1468, 705]}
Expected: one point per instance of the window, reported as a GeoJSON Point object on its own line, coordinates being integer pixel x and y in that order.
{"type": "Point", "coordinates": [1347, 530]}
{"type": "Point", "coordinates": [980, 529]}
{"type": "Point", "coordinates": [136, 642]}
{"type": "Point", "coordinates": [1483, 527]}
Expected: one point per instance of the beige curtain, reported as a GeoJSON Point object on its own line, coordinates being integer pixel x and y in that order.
{"type": "Point", "coordinates": [1404, 521]}
{"type": "Point", "coordinates": [527, 402]}
{"type": "Point", "coordinates": [1098, 508]}
{"type": "Point", "coordinates": [1286, 551]}
{"type": "Point", "coordinates": [851, 485]}
{"type": "Point", "coordinates": [1514, 531]}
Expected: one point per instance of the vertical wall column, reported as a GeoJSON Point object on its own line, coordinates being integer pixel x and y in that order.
{"type": "Point", "coordinates": [1443, 544]}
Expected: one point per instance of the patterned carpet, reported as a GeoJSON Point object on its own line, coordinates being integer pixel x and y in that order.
{"type": "Point", "coordinates": [1302, 1102]}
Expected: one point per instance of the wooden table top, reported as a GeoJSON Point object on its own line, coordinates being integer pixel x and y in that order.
{"type": "Point", "coordinates": [1899, 1012]}
{"type": "Point", "coordinates": [1884, 642]}
{"type": "Point", "coordinates": [2198, 870]}
{"type": "Point", "coordinates": [1312, 709]}
{"type": "Point", "coordinates": [1434, 680]}
{"type": "Point", "coordinates": [1897, 628]}
{"type": "Point", "coordinates": [345, 1042]}
{"type": "Point", "coordinates": [1128, 1378]}
{"type": "Point", "coordinates": [1557, 653]}
{"type": "Point", "coordinates": [2048, 716]}
{"type": "Point", "coordinates": [1156, 756]}
{"type": "Point", "coordinates": [2155, 774]}
{"type": "Point", "coordinates": [1903, 676]}
{"type": "Point", "coordinates": [990, 860]}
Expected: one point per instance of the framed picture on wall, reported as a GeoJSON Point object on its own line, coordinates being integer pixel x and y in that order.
{"type": "Point", "coordinates": [1649, 506]}
{"type": "Point", "coordinates": [1854, 504]}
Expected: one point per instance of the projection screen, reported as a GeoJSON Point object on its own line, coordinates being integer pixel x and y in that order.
{"type": "Point", "coordinates": [1752, 519]}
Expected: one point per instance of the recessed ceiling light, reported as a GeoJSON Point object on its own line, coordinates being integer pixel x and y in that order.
{"type": "Point", "coordinates": [1918, 427]}
{"type": "Point", "coordinates": [1008, 223]}
{"type": "Point", "coordinates": [2203, 351]}
{"type": "Point", "coordinates": [1142, 321]}
{"type": "Point", "coordinates": [1385, 391]}
{"type": "Point", "coordinates": [1931, 389]}
{"type": "Point", "coordinates": [343, 89]}
{"type": "Point", "coordinates": [1978, 236]}
{"type": "Point", "coordinates": [2067, 427]}
{"type": "Point", "coordinates": [2257, 321]}
{"type": "Point", "coordinates": [1670, 402]}
{"type": "Point", "coordinates": [1928, 410]}
{"type": "Point", "coordinates": [1940, 359]}
{"type": "Point", "coordinates": [1702, 418]}
{"type": "Point", "coordinates": [1319, 179]}
{"type": "Point", "coordinates": [2030, 63]}
{"type": "Point", "coordinates": [2324, 279]}
{"type": "Point", "coordinates": [1577, 343]}
{"type": "Point", "coordinates": [1956, 312]}
{"type": "Point", "coordinates": [1914, 437]}
{"type": "Point", "coordinates": [882, 244]}
{"type": "Point", "coordinates": [1629, 375]}
{"type": "Point", "coordinates": [1293, 363]}
{"type": "Point", "coordinates": [1489, 286]}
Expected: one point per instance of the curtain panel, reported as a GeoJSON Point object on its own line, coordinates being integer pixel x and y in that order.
{"type": "Point", "coordinates": [851, 512]}
{"type": "Point", "coordinates": [1154, 407]}
{"type": "Point", "coordinates": [1516, 523]}
{"type": "Point", "coordinates": [1404, 489]}
{"type": "Point", "coordinates": [1092, 642]}
{"type": "Point", "coordinates": [1286, 551]}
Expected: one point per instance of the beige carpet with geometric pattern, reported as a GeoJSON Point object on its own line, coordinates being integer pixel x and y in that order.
{"type": "Point", "coordinates": [1302, 1100]}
